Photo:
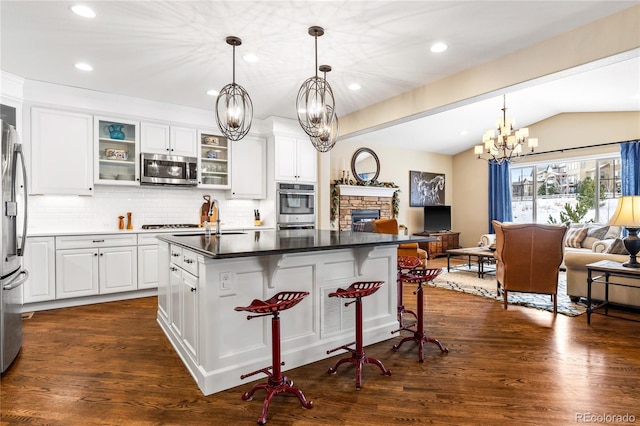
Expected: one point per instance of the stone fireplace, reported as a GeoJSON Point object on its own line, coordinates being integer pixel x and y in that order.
{"type": "Point", "coordinates": [359, 198]}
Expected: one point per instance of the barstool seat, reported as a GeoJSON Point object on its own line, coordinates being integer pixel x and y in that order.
{"type": "Point", "coordinates": [277, 382]}
{"type": "Point", "coordinates": [357, 291]}
{"type": "Point", "coordinates": [419, 336]}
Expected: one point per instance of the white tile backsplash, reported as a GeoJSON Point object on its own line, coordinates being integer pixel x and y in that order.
{"type": "Point", "coordinates": [148, 205]}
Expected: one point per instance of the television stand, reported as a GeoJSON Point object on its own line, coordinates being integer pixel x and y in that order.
{"type": "Point", "coordinates": [447, 240]}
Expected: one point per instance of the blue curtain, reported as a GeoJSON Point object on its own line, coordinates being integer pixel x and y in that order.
{"type": "Point", "coordinates": [499, 193]}
{"type": "Point", "coordinates": [630, 155]}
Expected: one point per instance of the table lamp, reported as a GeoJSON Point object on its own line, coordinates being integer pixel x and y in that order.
{"type": "Point", "coordinates": [627, 214]}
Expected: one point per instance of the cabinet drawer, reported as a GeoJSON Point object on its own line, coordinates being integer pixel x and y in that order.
{"type": "Point", "coordinates": [190, 262]}
{"type": "Point", "coordinates": [175, 255]}
{"type": "Point", "coordinates": [148, 239]}
{"type": "Point", "coordinates": [95, 241]}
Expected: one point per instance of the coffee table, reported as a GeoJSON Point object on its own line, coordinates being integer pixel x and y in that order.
{"type": "Point", "coordinates": [483, 257]}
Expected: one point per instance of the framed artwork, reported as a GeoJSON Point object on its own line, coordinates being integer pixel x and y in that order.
{"type": "Point", "coordinates": [426, 189]}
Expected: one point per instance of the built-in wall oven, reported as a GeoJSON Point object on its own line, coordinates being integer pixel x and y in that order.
{"type": "Point", "coordinates": [296, 205]}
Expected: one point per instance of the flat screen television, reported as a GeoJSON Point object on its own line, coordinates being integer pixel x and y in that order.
{"type": "Point", "coordinates": [437, 218]}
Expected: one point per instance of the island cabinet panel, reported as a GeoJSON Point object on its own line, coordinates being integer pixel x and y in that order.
{"type": "Point", "coordinates": [227, 345]}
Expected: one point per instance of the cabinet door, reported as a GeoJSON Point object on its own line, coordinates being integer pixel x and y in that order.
{"type": "Point", "coordinates": [61, 153]}
{"type": "Point", "coordinates": [248, 168]}
{"type": "Point", "coordinates": [154, 138]}
{"type": "Point", "coordinates": [39, 260]}
{"type": "Point", "coordinates": [117, 148]}
{"type": "Point", "coordinates": [306, 161]}
{"type": "Point", "coordinates": [163, 281]}
{"type": "Point", "coordinates": [147, 266]}
{"type": "Point", "coordinates": [118, 269]}
{"type": "Point", "coordinates": [175, 282]}
{"type": "Point", "coordinates": [285, 159]}
{"type": "Point", "coordinates": [189, 312]}
{"type": "Point", "coordinates": [184, 141]}
{"type": "Point", "coordinates": [76, 273]}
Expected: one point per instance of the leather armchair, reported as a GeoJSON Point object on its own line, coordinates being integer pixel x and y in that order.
{"type": "Point", "coordinates": [390, 226]}
{"type": "Point", "coordinates": [528, 258]}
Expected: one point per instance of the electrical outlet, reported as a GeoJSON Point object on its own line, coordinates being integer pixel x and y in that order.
{"type": "Point", "coordinates": [227, 281]}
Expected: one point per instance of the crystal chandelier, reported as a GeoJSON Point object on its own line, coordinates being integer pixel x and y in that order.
{"type": "Point", "coordinates": [234, 109]}
{"type": "Point", "coordinates": [315, 103]}
{"type": "Point", "coordinates": [503, 144]}
{"type": "Point", "coordinates": [328, 134]}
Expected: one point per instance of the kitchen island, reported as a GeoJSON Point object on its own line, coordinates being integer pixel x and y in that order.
{"type": "Point", "coordinates": [203, 278]}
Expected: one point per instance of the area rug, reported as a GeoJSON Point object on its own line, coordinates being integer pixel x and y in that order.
{"type": "Point", "coordinates": [468, 282]}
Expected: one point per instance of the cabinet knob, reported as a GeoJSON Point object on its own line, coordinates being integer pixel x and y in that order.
{"type": "Point", "coordinates": [193, 289]}
{"type": "Point", "coordinates": [188, 260]}
{"type": "Point", "coordinates": [95, 254]}
{"type": "Point", "coordinates": [173, 268]}
{"type": "Point", "coordinates": [101, 254]}
{"type": "Point", "coordinates": [175, 254]}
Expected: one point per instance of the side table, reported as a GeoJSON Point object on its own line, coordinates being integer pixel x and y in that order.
{"type": "Point", "coordinates": [605, 269]}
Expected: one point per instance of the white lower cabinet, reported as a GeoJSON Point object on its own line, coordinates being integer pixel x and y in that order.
{"type": "Point", "coordinates": [88, 265]}
{"type": "Point", "coordinates": [147, 266]}
{"type": "Point", "coordinates": [76, 273]}
{"type": "Point", "coordinates": [183, 298]}
{"type": "Point", "coordinates": [163, 281]}
{"type": "Point", "coordinates": [40, 261]}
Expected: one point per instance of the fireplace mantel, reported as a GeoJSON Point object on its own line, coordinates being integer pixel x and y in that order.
{"type": "Point", "coordinates": [366, 191]}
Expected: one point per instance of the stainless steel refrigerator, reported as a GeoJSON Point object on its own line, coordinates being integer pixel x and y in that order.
{"type": "Point", "coordinates": [12, 275]}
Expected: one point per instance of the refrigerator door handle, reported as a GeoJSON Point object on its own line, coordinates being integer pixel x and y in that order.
{"type": "Point", "coordinates": [17, 281]}
{"type": "Point", "coordinates": [18, 152]}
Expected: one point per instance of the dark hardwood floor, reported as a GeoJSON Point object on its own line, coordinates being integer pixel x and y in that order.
{"type": "Point", "coordinates": [110, 364]}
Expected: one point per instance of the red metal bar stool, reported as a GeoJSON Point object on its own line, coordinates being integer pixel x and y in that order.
{"type": "Point", "coordinates": [406, 264]}
{"type": "Point", "coordinates": [277, 382]}
{"type": "Point", "coordinates": [419, 276]}
{"type": "Point", "coordinates": [357, 291]}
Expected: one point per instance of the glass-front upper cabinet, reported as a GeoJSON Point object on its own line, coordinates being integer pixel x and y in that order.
{"type": "Point", "coordinates": [117, 149]}
{"type": "Point", "coordinates": [215, 161]}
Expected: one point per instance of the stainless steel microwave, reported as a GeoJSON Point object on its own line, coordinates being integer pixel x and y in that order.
{"type": "Point", "coordinates": [159, 169]}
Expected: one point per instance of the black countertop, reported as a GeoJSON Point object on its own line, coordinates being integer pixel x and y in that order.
{"type": "Point", "coordinates": [270, 242]}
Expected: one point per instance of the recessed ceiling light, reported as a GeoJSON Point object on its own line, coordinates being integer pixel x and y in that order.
{"type": "Point", "coordinates": [250, 57]}
{"type": "Point", "coordinates": [84, 67]}
{"type": "Point", "coordinates": [83, 11]}
{"type": "Point", "coordinates": [439, 47]}
{"type": "Point", "coordinates": [212, 92]}
{"type": "Point", "coordinates": [464, 133]}
{"type": "Point", "coordinates": [354, 86]}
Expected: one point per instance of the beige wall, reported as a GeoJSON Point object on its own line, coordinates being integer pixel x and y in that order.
{"type": "Point", "coordinates": [613, 35]}
{"type": "Point", "coordinates": [470, 207]}
{"type": "Point", "coordinates": [394, 167]}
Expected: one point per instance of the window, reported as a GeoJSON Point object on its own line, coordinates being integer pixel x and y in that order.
{"type": "Point", "coordinates": [577, 190]}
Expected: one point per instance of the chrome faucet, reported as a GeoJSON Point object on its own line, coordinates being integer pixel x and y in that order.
{"type": "Point", "coordinates": [217, 206]}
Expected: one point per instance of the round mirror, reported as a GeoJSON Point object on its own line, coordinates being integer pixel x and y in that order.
{"type": "Point", "coordinates": [365, 165]}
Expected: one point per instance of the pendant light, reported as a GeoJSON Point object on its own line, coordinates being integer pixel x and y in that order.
{"type": "Point", "coordinates": [328, 134]}
{"type": "Point", "coordinates": [315, 103]}
{"type": "Point", "coordinates": [234, 110]}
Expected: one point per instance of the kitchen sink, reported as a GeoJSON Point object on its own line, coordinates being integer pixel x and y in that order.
{"type": "Point", "coordinates": [200, 234]}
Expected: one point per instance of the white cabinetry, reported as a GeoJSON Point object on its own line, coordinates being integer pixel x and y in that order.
{"type": "Point", "coordinates": [214, 158]}
{"type": "Point", "coordinates": [117, 148]}
{"type": "Point", "coordinates": [61, 152]}
{"type": "Point", "coordinates": [95, 264]}
{"type": "Point", "coordinates": [163, 282]}
{"type": "Point", "coordinates": [183, 298]}
{"type": "Point", "coordinates": [39, 260]}
{"type": "Point", "coordinates": [159, 138]}
{"type": "Point", "coordinates": [249, 168]}
{"type": "Point", "coordinates": [296, 160]}
{"type": "Point", "coordinates": [147, 261]}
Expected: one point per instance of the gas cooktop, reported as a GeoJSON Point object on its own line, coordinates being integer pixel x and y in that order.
{"type": "Point", "coordinates": [171, 226]}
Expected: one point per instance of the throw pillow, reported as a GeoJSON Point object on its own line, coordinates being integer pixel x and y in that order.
{"type": "Point", "coordinates": [594, 233]}
{"type": "Point", "coordinates": [575, 237]}
{"type": "Point", "coordinates": [617, 247]}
